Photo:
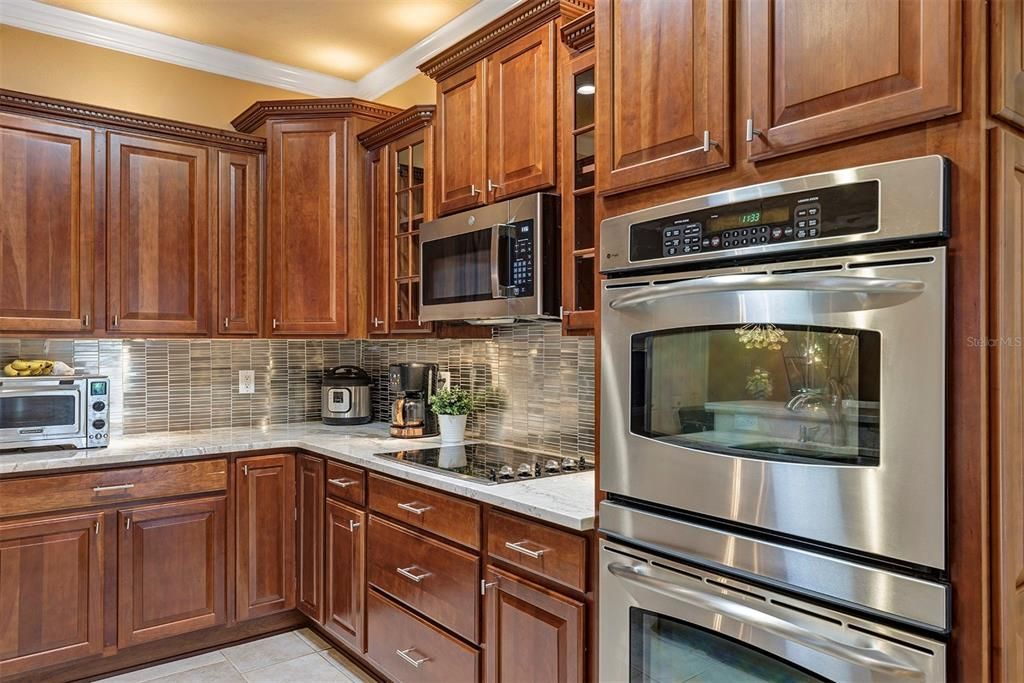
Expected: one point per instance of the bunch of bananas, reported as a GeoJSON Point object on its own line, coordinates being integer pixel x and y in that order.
{"type": "Point", "coordinates": [26, 368]}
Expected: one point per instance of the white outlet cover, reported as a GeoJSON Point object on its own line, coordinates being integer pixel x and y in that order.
{"type": "Point", "coordinates": [247, 381]}
{"type": "Point", "coordinates": [445, 380]}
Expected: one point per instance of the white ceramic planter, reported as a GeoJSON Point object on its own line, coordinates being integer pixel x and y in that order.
{"type": "Point", "coordinates": [453, 428]}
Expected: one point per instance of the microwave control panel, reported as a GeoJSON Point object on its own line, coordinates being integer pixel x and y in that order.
{"type": "Point", "coordinates": [798, 217]}
{"type": "Point", "coordinates": [521, 282]}
{"type": "Point", "coordinates": [98, 413]}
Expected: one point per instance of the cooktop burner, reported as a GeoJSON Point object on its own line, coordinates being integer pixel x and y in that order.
{"type": "Point", "coordinates": [489, 463]}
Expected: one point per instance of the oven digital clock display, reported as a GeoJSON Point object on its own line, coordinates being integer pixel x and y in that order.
{"type": "Point", "coordinates": [728, 221]}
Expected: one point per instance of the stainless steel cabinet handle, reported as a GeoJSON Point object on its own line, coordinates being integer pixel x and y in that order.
{"type": "Point", "coordinates": [377, 322]}
{"type": "Point", "coordinates": [751, 131]}
{"type": "Point", "coordinates": [518, 547]}
{"type": "Point", "coordinates": [474, 190]}
{"type": "Point", "coordinates": [114, 487]}
{"type": "Point", "coordinates": [245, 470]}
{"type": "Point", "coordinates": [485, 584]}
{"type": "Point", "coordinates": [273, 324]}
{"type": "Point", "coordinates": [343, 483]}
{"type": "Point", "coordinates": [411, 507]}
{"type": "Point", "coordinates": [409, 574]}
{"type": "Point", "coordinates": [492, 186]}
{"type": "Point", "coordinates": [849, 652]}
{"type": "Point", "coordinates": [85, 321]}
{"type": "Point", "coordinates": [96, 527]}
{"type": "Point", "coordinates": [352, 526]}
{"type": "Point", "coordinates": [127, 523]}
{"type": "Point", "coordinates": [113, 320]}
{"type": "Point", "coordinates": [225, 323]}
{"type": "Point", "coordinates": [404, 654]}
{"type": "Point", "coordinates": [705, 146]}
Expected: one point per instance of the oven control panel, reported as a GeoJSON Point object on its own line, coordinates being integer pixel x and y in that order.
{"type": "Point", "coordinates": [798, 217]}
{"type": "Point", "coordinates": [97, 424]}
{"type": "Point", "coordinates": [521, 259]}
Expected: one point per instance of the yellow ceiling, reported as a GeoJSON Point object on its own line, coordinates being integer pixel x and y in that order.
{"type": "Point", "coordinates": [344, 38]}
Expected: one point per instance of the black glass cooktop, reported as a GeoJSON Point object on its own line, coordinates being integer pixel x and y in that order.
{"type": "Point", "coordinates": [489, 463]}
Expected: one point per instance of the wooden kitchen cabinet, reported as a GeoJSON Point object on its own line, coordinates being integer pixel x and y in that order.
{"type": "Point", "coordinates": [345, 596]}
{"type": "Point", "coordinates": [1007, 61]}
{"type": "Point", "coordinates": [47, 191]}
{"type": "Point", "coordinates": [530, 632]}
{"type": "Point", "coordinates": [158, 237]}
{"type": "Point", "coordinates": [821, 71]}
{"type": "Point", "coordinates": [265, 533]}
{"type": "Point", "coordinates": [663, 91]}
{"type": "Point", "coordinates": [51, 591]}
{"type": "Point", "coordinates": [461, 140]}
{"type": "Point", "coordinates": [238, 236]}
{"type": "Point", "coordinates": [309, 535]}
{"type": "Point", "coordinates": [171, 569]}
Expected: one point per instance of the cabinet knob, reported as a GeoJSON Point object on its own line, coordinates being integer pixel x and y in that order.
{"type": "Point", "coordinates": [751, 131]}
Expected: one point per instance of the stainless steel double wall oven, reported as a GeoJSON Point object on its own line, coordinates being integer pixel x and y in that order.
{"type": "Point", "coordinates": [772, 431]}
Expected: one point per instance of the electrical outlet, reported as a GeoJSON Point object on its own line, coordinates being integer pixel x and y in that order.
{"type": "Point", "coordinates": [247, 381]}
{"type": "Point", "coordinates": [444, 380]}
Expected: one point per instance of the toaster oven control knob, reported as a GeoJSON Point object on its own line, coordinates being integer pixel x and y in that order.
{"type": "Point", "coordinates": [98, 406]}
{"type": "Point", "coordinates": [99, 424]}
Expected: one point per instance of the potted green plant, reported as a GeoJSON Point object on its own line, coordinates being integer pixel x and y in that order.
{"type": "Point", "coordinates": [452, 406]}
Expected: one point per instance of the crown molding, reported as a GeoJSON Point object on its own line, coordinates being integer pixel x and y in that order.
{"type": "Point", "coordinates": [578, 34]}
{"type": "Point", "coordinates": [400, 124]}
{"type": "Point", "coordinates": [258, 113]}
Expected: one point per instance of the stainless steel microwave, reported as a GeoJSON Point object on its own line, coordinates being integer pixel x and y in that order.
{"type": "Point", "coordinates": [496, 264]}
{"type": "Point", "coordinates": [54, 411]}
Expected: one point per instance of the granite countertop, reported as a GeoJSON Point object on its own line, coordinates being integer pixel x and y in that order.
{"type": "Point", "coordinates": [566, 500]}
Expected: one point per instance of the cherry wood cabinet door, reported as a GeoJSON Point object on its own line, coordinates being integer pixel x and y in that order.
{"type": "Point", "coordinates": [171, 569]}
{"type": "Point", "coordinates": [461, 143]}
{"type": "Point", "coordinates": [1007, 363]}
{"type": "Point", "coordinates": [51, 591]}
{"type": "Point", "coordinates": [1007, 63]}
{"type": "Point", "coordinates": [309, 535]}
{"type": "Point", "coordinates": [308, 235]}
{"type": "Point", "coordinates": [238, 244]}
{"type": "Point", "coordinates": [521, 101]}
{"type": "Point", "coordinates": [346, 589]}
{"type": "Point", "coordinates": [531, 633]}
{"type": "Point", "coordinates": [821, 71]}
{"type": "Point", "coordinates": [662, 91]}
{"type": "Point", "coordinates": [265, 533]}
{"type": "Point", "coordinates": [158, 237]}
{"type": "Point", "coordinates": [46, 226]}
{"type": "Point", "coordinates": [380, 242]}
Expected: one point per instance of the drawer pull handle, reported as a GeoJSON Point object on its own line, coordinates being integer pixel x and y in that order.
{"type": "Point", "coordinates": [115, 487]}
{"type": "Point", "coordinates": [407, 573]}
{"type": "Point", "coordinates": [518, 547]}
{"type": "Point", "coordinates": [411, 507]}
{"type": "Point", "coordinates": [343, 483]}
{"type": "Point", "coordinates": [352, 526]}
{"type": "Point", "coordinates": [404, 654]}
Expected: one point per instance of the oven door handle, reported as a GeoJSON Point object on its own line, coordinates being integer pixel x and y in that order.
{"type": "Point", "coordinates": [757, 283]}
{"type": "Point", "coordinates": [854, 654]}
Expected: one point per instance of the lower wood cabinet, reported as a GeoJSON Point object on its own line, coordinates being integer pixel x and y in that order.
{"type": "Point", "coordinates": [530, 633]}
{"type": "Point", "coordinates": [344, 600]}
{"type": "Point", "coordinates": [309, 535]}
{"type": "Point", "coordinates": [51, 591]}
{"type": "Point", "coordinates": [171, 569]}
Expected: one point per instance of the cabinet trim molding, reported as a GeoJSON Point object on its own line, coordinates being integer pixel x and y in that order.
{"type": "Point", "coordinates": [578, 34]}
{"type": "Point", "coordinates": [259, 112]}
{"type": "Point", "coordinates": [408, 121]}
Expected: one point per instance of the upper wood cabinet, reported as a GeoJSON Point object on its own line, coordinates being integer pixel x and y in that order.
{"type": "Point", "coordinates": [238, 236]}
{"type": "Point", "coordinates": [309, 535]}
{"type": "Point", "coordinates": [821, 71]}
{"type": "Point", "coordinates": [46, 226]}
{"type": "Point", "coordinates": [663, 90]}
{"type": "Point", "coordinates": [158, 237]}
{"type": "Point", "coordinates": [461, 140]}
{"type": "Point", "coordinates": [1007, 60]}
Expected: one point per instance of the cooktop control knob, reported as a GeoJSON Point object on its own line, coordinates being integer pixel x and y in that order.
{"type": "Point", "coordinates": [506, 472]}
{"type": "Point", "coordinates": [99, 424]}
{"type": "Point", "coordinates": [98, 406]}
{"type": "Point", "coordinates": [524, 471]}
{"type": "Point", "coordinates": [552, 466]}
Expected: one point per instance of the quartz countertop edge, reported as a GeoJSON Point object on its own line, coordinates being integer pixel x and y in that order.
{"type": "Point", "coordinates": [566, 500]}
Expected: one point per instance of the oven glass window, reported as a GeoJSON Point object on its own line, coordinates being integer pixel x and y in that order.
{"type": "Point", "coordinates": [778, 392]}
{"type": "Point", "coordinates": [457, 268]}
{"type": "Point", "coordinates": [26, 412]}
{"type": "Point", "coordinates": [664, 650]}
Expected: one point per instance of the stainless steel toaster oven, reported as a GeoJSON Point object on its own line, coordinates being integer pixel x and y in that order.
{"type": "Point", "coordinates": [54, 411]}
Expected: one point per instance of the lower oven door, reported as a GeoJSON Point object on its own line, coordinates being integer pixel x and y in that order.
{"type": "Point", "coordinates": [805, 398]}
{"type": "Point", "coordinates": [665, 621]}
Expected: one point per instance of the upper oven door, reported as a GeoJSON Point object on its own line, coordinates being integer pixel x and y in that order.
{"type": "Point", "coordinates": [805, 398]}
{"type": "Point", "coordinates": [41, 409]}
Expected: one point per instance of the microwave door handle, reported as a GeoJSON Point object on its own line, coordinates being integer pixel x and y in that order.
{"type": "Point", "coordinates": [501, 257]}
{"type": "Point", "coordinates": [759, 283]}
{"type": "Point", "coordinates": [495, 263]}
{"type": "Point", "coordinates": [854, 654]}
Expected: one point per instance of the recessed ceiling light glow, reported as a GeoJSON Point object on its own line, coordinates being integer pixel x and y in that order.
{"type": "Point", "coordinates": [586, 90]}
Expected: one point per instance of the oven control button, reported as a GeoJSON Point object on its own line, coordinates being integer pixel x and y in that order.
{"type": "Point", "coordinates": [801, 234]}
{"type": "Point", "coordinates": [99, 424]}
{"type": "Point", "coordinates": [801, 212]}
{"type": "Point", "coordinates": [788, 231]}
{"type": "Point", "coordinates": [763, 238]}
{"type": "Point", "coordinates": [716, 242]}
{"type": "Point", "coordinates": [706, 242]}
{"type": "Point", "coordinates": [811, 223]}
{"type": "Point", "coordinates": [98, 406]}
{"type": "Point", "coordinates": [776, 233]}
{"type": "Point", "coordinates": [813, 232]}
{"type": "Point", "coordinates": [671, 251]}
{"type": "Point", "coordinates": [813, 211]}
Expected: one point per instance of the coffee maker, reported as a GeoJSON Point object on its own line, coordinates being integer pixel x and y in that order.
{"type": "Point", "coordinates": [415, 383]}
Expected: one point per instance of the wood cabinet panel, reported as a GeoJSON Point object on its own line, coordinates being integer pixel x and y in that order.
{"type": "Point", "coordinates": [1007, 368]}
{"type": "Point", "coordinates": [461, 143]}
{"type": "Point", "coordinates": [821, 71]}
{"type": "Point", "coordinates": [521, 617]}
{"type": "Point", "coordinates": [47, 226]}
{"type": "Point", "coordinates": [380, 242]}
{"type": "Point", "coordinates": [346, 483]}
{"type": "Point", "coordinates": [345, 574]}
{"type": "Point", "coordinates": [1007, 60]}
{"type": "Point", "coordinates": [265, 532]}
{"type": "Point", "coordinates": [238, 244]}
{"type": "Point", "coordinates": [557, 555]}
{"type": "Point", "coordinates": [309, 536]}
{"type": "Point", "coordinates": [427, 509]}
{"type": "Point", "coordinates": [171, 569]}
{"type": "Point", "coordinates": [521, 107]}
{"type": "Point", "coordinates": [158, 237]}
{"type": "Point", "coordinates": [51, 591]}
{"type": "Point", "coordinates": [662, 84]}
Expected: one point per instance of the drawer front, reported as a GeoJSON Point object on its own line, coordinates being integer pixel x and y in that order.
{"type": "Point", "coordinates": [435, 579]}
{"type": "Point", "coordinates": [557, 555]}
{"type": "Point", "coordinates": [65, 491]}
{"type": "Point", "coordinates": [346, 483]}
{"type": "Point", "coordinates": [423, 508]}
{"type": "Point", "coordinates": [407, 648]}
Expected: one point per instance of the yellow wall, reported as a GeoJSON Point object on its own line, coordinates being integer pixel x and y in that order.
{"type": "Point", "coordinates": [54, 67]}
{"type": "Point", "coordinates": [417, 90]}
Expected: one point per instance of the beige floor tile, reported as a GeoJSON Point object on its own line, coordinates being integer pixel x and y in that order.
{"type": "Point", "coordinates": [263, 653]}
{"type": "Point", "coordinates": [312, 669]}
{"type": "Point", "coordinates": [313, 639]}
{"type": "Point", "coordinates": [222, 672]}
{"type": "Point", "coordinates": [162, 670]}
{"type": "Point", "coordinates": [346, 666]}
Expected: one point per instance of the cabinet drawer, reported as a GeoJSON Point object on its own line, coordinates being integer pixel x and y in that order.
{"type": "Point", "coordinates": [423, 508]}
{"type": "Point", "coordinates": [434, 578]}
{"type": "Point", "coordinates": [346, 483]}
{"type": "Point", "coordinates": [65, 491]}
{"type": "Point", "coordinates": [557, 555]}
{"type": "Point", "coordinates": [407, 648]}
